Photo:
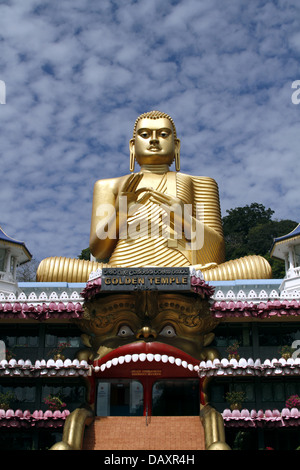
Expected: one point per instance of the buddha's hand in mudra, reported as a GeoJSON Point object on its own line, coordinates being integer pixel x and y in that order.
{"type": "Point", "coordinates": [166, 201]}
{"type": "Point", "coordinates": [131, 196]}
{"type": "Point", "coordinates": [171, 204]}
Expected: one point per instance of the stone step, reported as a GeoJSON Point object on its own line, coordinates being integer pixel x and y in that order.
{"type": "Point", "coordinates": [131, 433]}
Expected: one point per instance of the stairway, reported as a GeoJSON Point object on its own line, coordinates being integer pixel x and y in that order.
{"type": "Point", "coordinates": [131, 433]}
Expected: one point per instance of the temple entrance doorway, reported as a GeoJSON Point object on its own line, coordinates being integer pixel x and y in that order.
{"type": "Point", "coordinates": [176, 397]}
{"type": "Point", "coordinates": [119, 397]}
{"type": "Point", "coordinates": [148, 396]}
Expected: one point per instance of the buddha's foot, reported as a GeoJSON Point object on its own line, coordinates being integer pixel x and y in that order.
{"type": "Point", "coordinates": [249, 267]}
{"type": "Point", "coordinates": [60, 269]}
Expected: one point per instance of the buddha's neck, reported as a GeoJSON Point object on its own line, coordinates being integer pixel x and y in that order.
{"type": "Point", "coordinates": [159, 169]}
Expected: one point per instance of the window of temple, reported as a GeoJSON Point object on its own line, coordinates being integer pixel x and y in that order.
{"type": "Point", "coordinates": [278, 334]}
{"type": "Point", "coordinates": [2, 259]}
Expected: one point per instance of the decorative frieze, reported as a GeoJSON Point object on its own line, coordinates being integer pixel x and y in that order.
{"type": "Point", "coordinates": [50, 368]}
{"type": "Point", "coordinates": [41, 307]}
{"type": "Point", "coordinates": [249, 367]}
{"type": "Point", "coordinates": [26, 419]}
{"type": "Point", "coordinates": [260, 418]}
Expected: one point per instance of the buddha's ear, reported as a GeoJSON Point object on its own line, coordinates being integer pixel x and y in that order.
{"type": "Point", "coordinates": [177, 154]}
{"type": "Point", "coordinates": [131, 144]}
{"type": "Point", "coordinates": [132, 154]}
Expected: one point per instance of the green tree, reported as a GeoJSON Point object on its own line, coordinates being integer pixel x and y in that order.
{"type": "Point", "coordinates": [250, 230]}
{"type": "Point", "coordinates": [237, 225]}
{"type": "Point", "coordinates": [85, 254]}
{"type": "Point", "coordinates": [260, 238]}
{"type": "Point", "coordinates": [27, 271]}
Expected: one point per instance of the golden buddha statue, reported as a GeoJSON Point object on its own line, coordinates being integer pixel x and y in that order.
{"type": "Point", "coordinates": [156, 217]}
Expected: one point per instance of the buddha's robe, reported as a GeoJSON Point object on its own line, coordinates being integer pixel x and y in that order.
{"type": "Point", "coordinates": [151, 240]}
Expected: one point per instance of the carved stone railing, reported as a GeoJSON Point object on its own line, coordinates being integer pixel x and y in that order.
{"type": "Point", "coordinates": [74, 429]}
{"type": "Point", "coordinates": [214, 431]}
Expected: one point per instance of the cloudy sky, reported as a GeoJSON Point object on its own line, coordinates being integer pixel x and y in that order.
{"type": "Point", "coordinates": [78, 73]}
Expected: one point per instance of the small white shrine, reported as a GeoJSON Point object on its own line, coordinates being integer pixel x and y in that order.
{"type": "Point", "coordinates": [287, 248]}
{"type": "Point", "coordinates": [13, 253]}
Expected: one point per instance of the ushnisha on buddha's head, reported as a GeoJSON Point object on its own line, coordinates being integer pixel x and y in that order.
{"type": "Point", "coordinates": [154, 141]}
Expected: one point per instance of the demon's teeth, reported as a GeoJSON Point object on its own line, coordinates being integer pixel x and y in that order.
{"type": "Point", "coordinates": [128, 358]}
{"type": "Point", "coordinates": [143, 357]}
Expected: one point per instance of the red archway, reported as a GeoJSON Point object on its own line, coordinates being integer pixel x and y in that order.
{"type": "Point", "coordinates": [146, 363]}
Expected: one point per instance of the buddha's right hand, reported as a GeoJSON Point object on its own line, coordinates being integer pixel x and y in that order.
{"type": "Point", "coordinates": [131, 184]}
{"type": "Point", "coordinates": [130, 194]}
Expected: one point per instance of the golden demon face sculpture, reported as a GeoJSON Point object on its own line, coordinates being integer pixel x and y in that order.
{"type": "Point", "coordinates": [180, 321]}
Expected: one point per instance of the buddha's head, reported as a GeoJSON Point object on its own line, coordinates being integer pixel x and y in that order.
{"type": "Point", "coordinates": [154, 141]}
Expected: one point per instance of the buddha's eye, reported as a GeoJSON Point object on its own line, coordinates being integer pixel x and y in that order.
{"type": "Point", "coordinates": [168, 331]}
{"type": "Point", "coordinates": [125, 331]}
{"type": "Point", "coordinates": [144, 134]}
{"type": "Point", "coordinates": [164, 134]}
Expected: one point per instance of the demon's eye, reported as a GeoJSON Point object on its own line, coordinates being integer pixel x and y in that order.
{"type": "Point", "coordinates": [168, 331]}
{"type": "Point", "coordinates": [125, 331]}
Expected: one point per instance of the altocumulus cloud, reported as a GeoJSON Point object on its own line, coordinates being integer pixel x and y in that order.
{"type": "Point", "coordinates": [78, 74]}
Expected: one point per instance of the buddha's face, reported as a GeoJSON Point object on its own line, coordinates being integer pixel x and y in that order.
{"type": "Point", "coordinates": [154, 142]}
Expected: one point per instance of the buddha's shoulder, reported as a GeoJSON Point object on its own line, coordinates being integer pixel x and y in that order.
{"type": "Point", "coordinates": [110, 183]}
{"type": "Point", "coordinates": [197, 179]}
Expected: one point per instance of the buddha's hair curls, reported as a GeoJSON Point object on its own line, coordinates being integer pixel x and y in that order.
{"type": "Point", "coordinates": [154, 115]}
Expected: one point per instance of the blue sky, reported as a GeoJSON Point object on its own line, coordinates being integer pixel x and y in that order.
{"type": "Point", "coordinates": [78, 73]}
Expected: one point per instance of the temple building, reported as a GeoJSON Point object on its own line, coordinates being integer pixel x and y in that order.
{"type": "Point", "coordinates": [13, 253]}
{"type": "Point", "coordinates": [257, 330]}
{"type": "Point", "coordinates": [287, 248]}
{"type": "Point", "coordinates": [162, 346]}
